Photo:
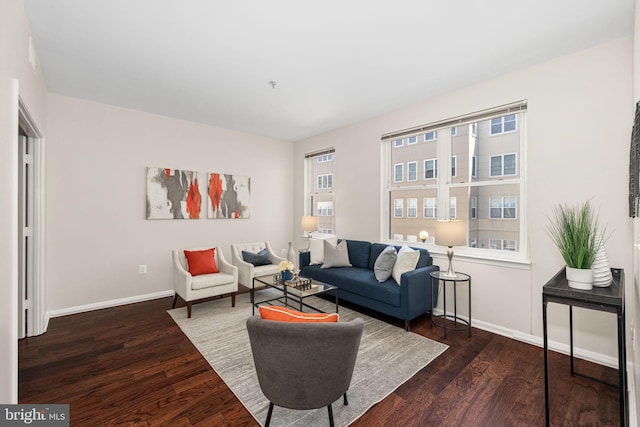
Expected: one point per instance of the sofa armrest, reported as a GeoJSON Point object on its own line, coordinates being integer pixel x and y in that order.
{"type": "Point", "coordinates": [225, 266]}
{"type": "Point", "coordinates": [304, 259]}
{"type": "Point", "coordinates": [416, 290]}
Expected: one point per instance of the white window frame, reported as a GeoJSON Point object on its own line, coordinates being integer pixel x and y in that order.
{"type": "Point", "coordinates": [324, 159]}
{"type": "Point", "coordinates": [412, 140]}
{"type": "Point", "coordinates": [454, 131]}
{"type": "Point", "coordinates": [430, 136]}
{"type": "Point", "coordinates": [398, 143]}
{"type": "Point", "coordinates": [502, 123]}
{"type": "Point", "coordinates": [473, 204]}
{"type": "Point", "coordinates": [395, 172]}
{"type": "Point", "coordinates": [434, 169]}
{"type": "Point", "coordinates": [503, 206]}
{"type": "Point", "coordinates": [454, 166]}
{"type": "Point", "coordinates": [429, 209]}
{"type": "Point", "coordinates": [453, 207]}
{"type": "Point", "coordinates": [325, 208]}
{"type": "Point", "coordinates": [415, 172]}
{"type": "Point", "coordinates": [501, 157]}
{"type": "Point", "coordinates": [325, 182]}
{"type": "Point", "coordinates": [398, 206]}
{"type": "Point", "coordinates": [412, 207]}
{"type": "Point", "coordinates": [474, 166]}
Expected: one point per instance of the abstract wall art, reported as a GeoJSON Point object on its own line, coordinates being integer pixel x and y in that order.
{"type": "Point", "coordinates": [228, 196]}
{"type": "Point", "coordinates": [178, 194]}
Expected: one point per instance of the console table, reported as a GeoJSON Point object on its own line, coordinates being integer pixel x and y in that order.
{"type": "Point", "coordinates": [611, 300]}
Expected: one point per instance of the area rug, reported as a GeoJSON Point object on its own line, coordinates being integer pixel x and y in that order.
{"type": "Point", "coordinates": [388, 357]}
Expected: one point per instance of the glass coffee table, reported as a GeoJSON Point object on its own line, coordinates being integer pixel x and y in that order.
{"type": "Point", "coordinates": [292, 294]}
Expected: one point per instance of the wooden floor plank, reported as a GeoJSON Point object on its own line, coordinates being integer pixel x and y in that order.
{"type": "Point", "coordinates": [132, 365]}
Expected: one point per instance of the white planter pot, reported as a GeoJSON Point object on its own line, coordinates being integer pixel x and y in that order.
{"type": "Point", "coordinates": [580, 278]}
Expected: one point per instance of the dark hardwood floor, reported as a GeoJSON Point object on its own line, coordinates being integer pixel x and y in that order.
{"type": "Point", "coordinates": [131, 365]}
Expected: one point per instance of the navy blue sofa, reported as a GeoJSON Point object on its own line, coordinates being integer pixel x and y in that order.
{"type": "Point", "coordinates": [358, 284]}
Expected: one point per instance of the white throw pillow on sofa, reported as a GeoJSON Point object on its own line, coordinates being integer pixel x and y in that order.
{"type": "Point", "coordinates": [316, 246]}
{"type": "Point", "coordinates": [407, 261]}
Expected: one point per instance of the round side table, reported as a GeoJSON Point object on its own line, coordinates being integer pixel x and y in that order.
{"type": "Point", "coordinates": [441, 320]}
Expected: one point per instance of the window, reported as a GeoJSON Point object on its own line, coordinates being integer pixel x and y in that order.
{"type": "Point", "coordinates": [481, 182]}
{"type": "Point", "coordinates": [325, 182]}
{"type": "Point", "coordinates": [397, 208]}
{"type": "Point", "coordinates": [430, 168]}
{"type": "Point", "coordinates": [325, 209]}
{"type": "Point", "coordinates": [320, 186]}
{"type": "Point", "coordinates": [398, 143]}
{"type": "Point", "coordinates": [429, 205]}
{"type": "Point", "coordinates": [325, 158]}
{"type": "Point", "coordinates": [412, 140]}
{"type": "Point", "coordinates": [504, 124]}
{"type": "Point", "coordinates": [412, 208]}
{"type": "Point", "coordinates": [399, 173]}
{"type": "Point", "coordinates": [503, 245]}
{"type": "Point", "coordinates": [412, 171]}
{"type": "Point", "coordinates": [503, 165]}
{"type": "Point", "coordinates": [474, 207]}
{"type": "Point", "coordinates": [502, 208]}
{"type": "Point", "coordinates": [430, 136]}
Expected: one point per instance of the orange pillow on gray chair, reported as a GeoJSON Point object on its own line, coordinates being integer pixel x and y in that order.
{"type": "Point", "coordinates": [283, 314]}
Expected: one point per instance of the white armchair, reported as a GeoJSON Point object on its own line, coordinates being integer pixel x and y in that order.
{"type": "Point", "coordinates": [246, 270]}
{"type": "Point", "coordinates": [192, 288]}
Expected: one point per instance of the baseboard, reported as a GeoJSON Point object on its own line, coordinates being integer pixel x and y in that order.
{"type": "Point", "coordinates": [557, 346]}
{"type": "Point", "coordinates": [107, 304]}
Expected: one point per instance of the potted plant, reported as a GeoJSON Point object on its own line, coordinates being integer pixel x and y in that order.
{"type": "Point", "coordinates": [577, 234]}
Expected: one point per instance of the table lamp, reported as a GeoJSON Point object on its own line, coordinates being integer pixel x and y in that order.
{"type": "Point", "coordinates": [309, 224]}
{"type": "Point", "coordinates": [423, 235]}
{"type": "Point", "coordinates": [450, 233]}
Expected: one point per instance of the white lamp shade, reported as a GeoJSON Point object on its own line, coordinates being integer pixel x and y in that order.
{"type": "Point", "coordinates": [451, 233]}
{"type": "Point", "coordinates": [309, 223]}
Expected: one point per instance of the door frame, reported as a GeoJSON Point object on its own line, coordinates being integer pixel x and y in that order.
{"type": "Point", "coordinates": [37, 320]}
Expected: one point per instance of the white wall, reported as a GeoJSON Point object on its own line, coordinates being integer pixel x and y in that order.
{"type": "Point", "coordinates": [578, 126]}
{"type": "Point", "coordinates": [97, 233]}
{"type": "Point", "coordinates": [18, 77]}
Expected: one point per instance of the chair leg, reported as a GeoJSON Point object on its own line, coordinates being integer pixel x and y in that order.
{"type": "Point", "coordinates": [344, 398]}
{"type": "Point", "coordinates": [189, 310]}
{"type": "Point", "coordinates": [233, 299]}
{"type": "Point", "coordinates": [330, 415]}
{"type": "Point", "coordinates": [175, 300]}
{"type": "Point", "coordinates": [269, 415]}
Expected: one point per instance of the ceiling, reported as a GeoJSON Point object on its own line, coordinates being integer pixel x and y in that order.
{"type": "Point", "coordinates": [334, 62]}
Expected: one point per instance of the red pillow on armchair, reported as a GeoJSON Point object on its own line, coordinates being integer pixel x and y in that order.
{"type": "Point", "coordinates": [201, 262]}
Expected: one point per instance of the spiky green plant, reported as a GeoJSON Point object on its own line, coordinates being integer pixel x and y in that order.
{"type": "Point", "coordinates": [576, 233]}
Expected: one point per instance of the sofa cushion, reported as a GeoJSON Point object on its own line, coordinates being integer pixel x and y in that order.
{"type": "Point", "coordinates": [261, 258]}
{"type": "Point", "coordinates": [359, 252]}
{"type": "Point", "coordinates": [383, 267]}
{"type": "Point", "coordinates": [407, 261]}
{"type": "Point", "coordinates": [283, 314]}
{"type": "Point", "coordinates": [360, 281]}
{"type": "Point", "coordinates": [201, 262]}
{"type": "Point", "coordinates": [335, 255]}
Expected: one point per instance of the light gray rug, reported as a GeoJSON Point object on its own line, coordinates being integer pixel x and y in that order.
{"type": "Point", "coordinates": [388, 357]}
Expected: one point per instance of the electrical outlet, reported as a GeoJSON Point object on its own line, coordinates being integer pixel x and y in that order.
{"type": "Point", "coordinates": [142, 269]}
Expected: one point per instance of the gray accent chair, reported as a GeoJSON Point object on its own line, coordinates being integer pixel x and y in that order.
{"type": "Point", "coordinates": [304, 365]}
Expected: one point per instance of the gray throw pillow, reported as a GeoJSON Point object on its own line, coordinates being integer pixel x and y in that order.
{"type": "Point", "coordinates": [336, 255]}
{"type": "Point", "coordinates": [261, 258]}
{"type": "Point", "coordinates": [383, 267]}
